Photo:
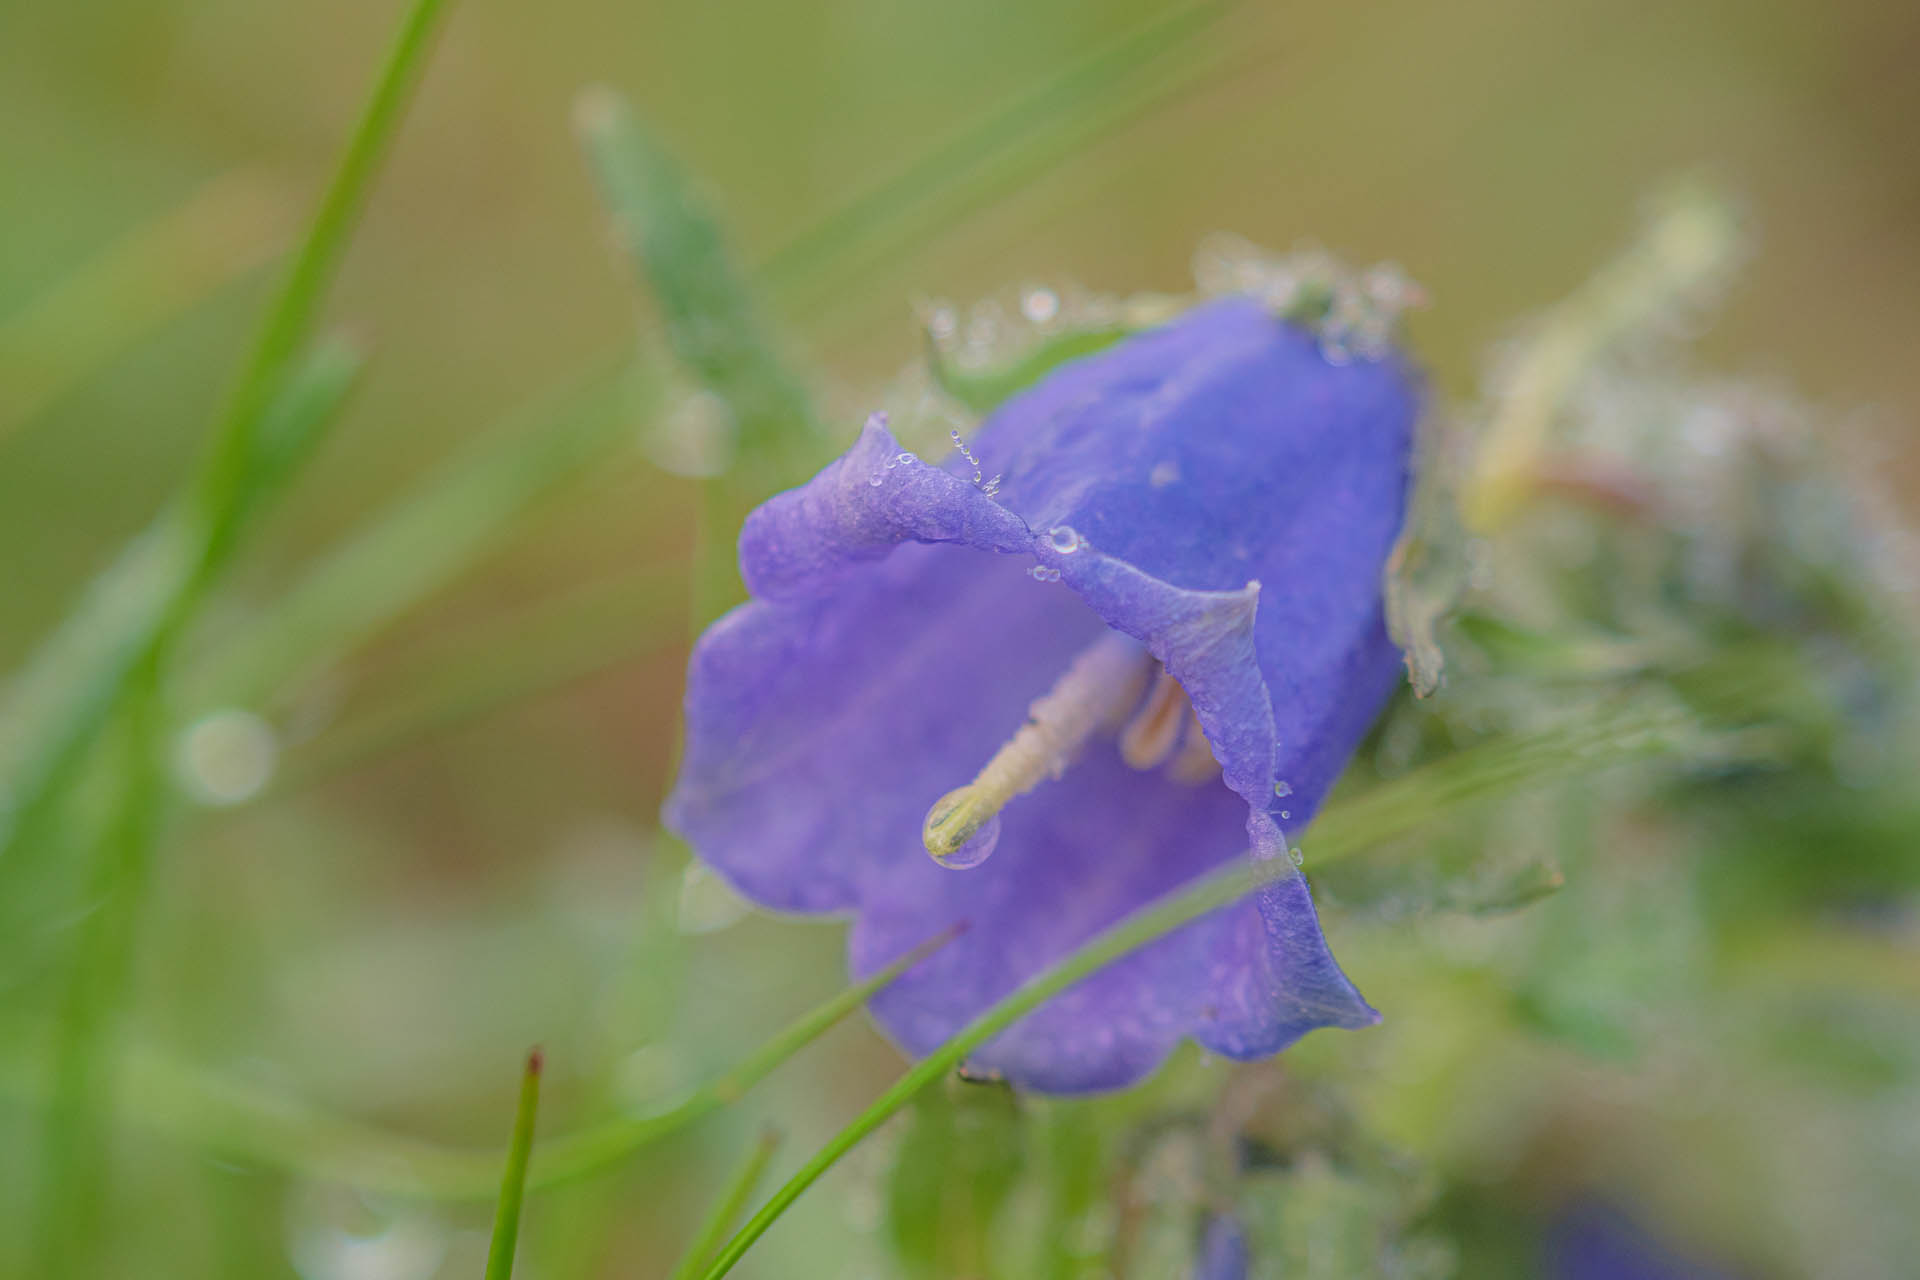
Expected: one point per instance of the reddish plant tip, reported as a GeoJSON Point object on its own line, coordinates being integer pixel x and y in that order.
{"type": "Point", "coordinates": [536, 1061]}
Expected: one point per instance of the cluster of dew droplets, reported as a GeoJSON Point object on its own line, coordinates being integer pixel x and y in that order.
{"type": "Point", "coordinates": [1353, 312]}
{"type": "Point", "coordinates": [998, 330]}
{"type": "Point", "coordinates": [1065, 540]}
{"type": "Point", "coordinates": [1282, 789]}
{"type": "Point", "coordinates": [902, 459]}
{"type": "Point", "coordinates": [988, 487]}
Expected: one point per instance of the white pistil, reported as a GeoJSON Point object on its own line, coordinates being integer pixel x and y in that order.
{"type": "Point", "coordinates": [1095, 693]}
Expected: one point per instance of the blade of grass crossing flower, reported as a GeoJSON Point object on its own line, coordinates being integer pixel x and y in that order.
{"type": "Point", "coordinates": [727, 1208]}
{"type": "Point", "coordinates": [228, 227]}
{"type": "Point", "coordinates": [596, 1149]}
{"type": "Point", "coordinates": [140, 604]}
{"type": "Point", "coordinates": [513, 1183]}
{"type": "Point", "coordinates": [1641, 730]}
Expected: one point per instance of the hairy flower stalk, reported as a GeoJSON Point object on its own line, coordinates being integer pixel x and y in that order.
{"type": "Point", "coordinates": [1168, 613]}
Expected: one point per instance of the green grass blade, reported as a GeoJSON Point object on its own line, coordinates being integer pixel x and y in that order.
{"type": "Point", "coordinates": [1028, 135]}
{"type": "Point", "coordinates": [574, 635]}
{"type": "Point", "coordinates": [423, 541]}
{"type": "Point", "coordinates": [310, 400]}
{"type": "Point", "coordinates": [675, 241]}
{"type": "Point", "coordinates": [725, 1210]}
{"type": "Point", "coordinates": [597, 1149]}
{"type": "Point", "coordinates": [513, 1183]}
{"type": "Point", "coordinates": [1642, 729]}
{"type": "Point", "coordinates": [230, 454]}
{"type": "Point", "coordinates": [232, 225]}
{"type": "Point", "coordinates": [73, 1165]}
{"type": "Point", "coordinates": [69, 689]}
{"type": "Point", "coordinates": [244, 1123]}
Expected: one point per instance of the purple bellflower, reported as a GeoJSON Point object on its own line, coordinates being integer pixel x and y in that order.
{"type": "Point", "coordinates": [1158, 641]}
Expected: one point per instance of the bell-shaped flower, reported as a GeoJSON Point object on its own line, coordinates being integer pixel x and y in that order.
{"type": "Point", "coordinates": [1151, 651]}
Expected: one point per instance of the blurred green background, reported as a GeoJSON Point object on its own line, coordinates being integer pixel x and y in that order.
{"type": "Point", "coordinates": [405, 910]}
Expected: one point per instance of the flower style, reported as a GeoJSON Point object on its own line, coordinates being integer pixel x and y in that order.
{"type": "Point", "coordinates": [1160, 640]}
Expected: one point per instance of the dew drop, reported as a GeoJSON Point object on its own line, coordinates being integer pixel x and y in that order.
{"type": "Point", "coordinates": [1294, 853]}
{"type": "Point", "coordinates": [1064, 539]}
{"type": "Point", "coordinates": [226, 757]}
{"type": "Point", "coordinates": [874, 479]}
{"type": "Point", "coordinates": [1041, 573]}
{"type": "Point", "coordinates": [1286, 813]}
{"type": "Point", "coordinates": [906, 459]}
{"type": "Point", "coordinates": [977, 849]}
{"type": "Point", "coordinates": [1282, 788]}
{"type": "Point", "coordinates": [1040, 305]}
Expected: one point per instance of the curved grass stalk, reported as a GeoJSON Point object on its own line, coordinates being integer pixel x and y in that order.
{"type": "Point", "coordinates": [1641, 729]}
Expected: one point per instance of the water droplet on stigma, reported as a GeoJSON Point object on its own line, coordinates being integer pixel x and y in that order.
{"type": "Point", "coordinates": [978, 848]}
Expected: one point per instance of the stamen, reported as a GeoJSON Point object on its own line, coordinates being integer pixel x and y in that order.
{"type": "Point", "coordinates": [1195, 763]}
{"type": "Point", "coordinates": [1095, 693]}
{"type": "Point", "coordinates": [1150, 737]}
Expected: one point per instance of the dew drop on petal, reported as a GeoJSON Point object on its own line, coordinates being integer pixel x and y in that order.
{"type": "Point", "coordinates": [1282, 788]}
{"type": "Point", "coordinates": [977, 849]}
{"type": "Point", "coordinates": [1296, 855]}
{"type": "Point", "coordinates": [1286, 813]}
{"type": "Point", "coordinates": [874, 479]}
{"type": "Point", "coordinates": [905, 459]}
{"type": "Point", "coordinates": [1064, 539]}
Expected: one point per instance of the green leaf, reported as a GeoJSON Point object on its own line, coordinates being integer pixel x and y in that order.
{"type": "Point", "coordinates": [713, 325]}
{"type": "Point", "coordinates": [982, 390]}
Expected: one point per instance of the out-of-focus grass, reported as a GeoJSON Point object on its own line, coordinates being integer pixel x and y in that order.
{"type": "Point", "coordinates": [332, 938]}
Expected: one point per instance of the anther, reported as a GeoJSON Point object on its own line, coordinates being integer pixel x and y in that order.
{"type": "Point", "coordinates": [1195, 763]}
{"type": "Point", "coordinates": [1153, 733]}
{"type": "Point", "coordinates": [1095, 693]}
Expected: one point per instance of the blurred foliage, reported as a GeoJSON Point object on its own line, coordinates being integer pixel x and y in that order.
{"type": "Point", "coordinates": [397, 777]}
